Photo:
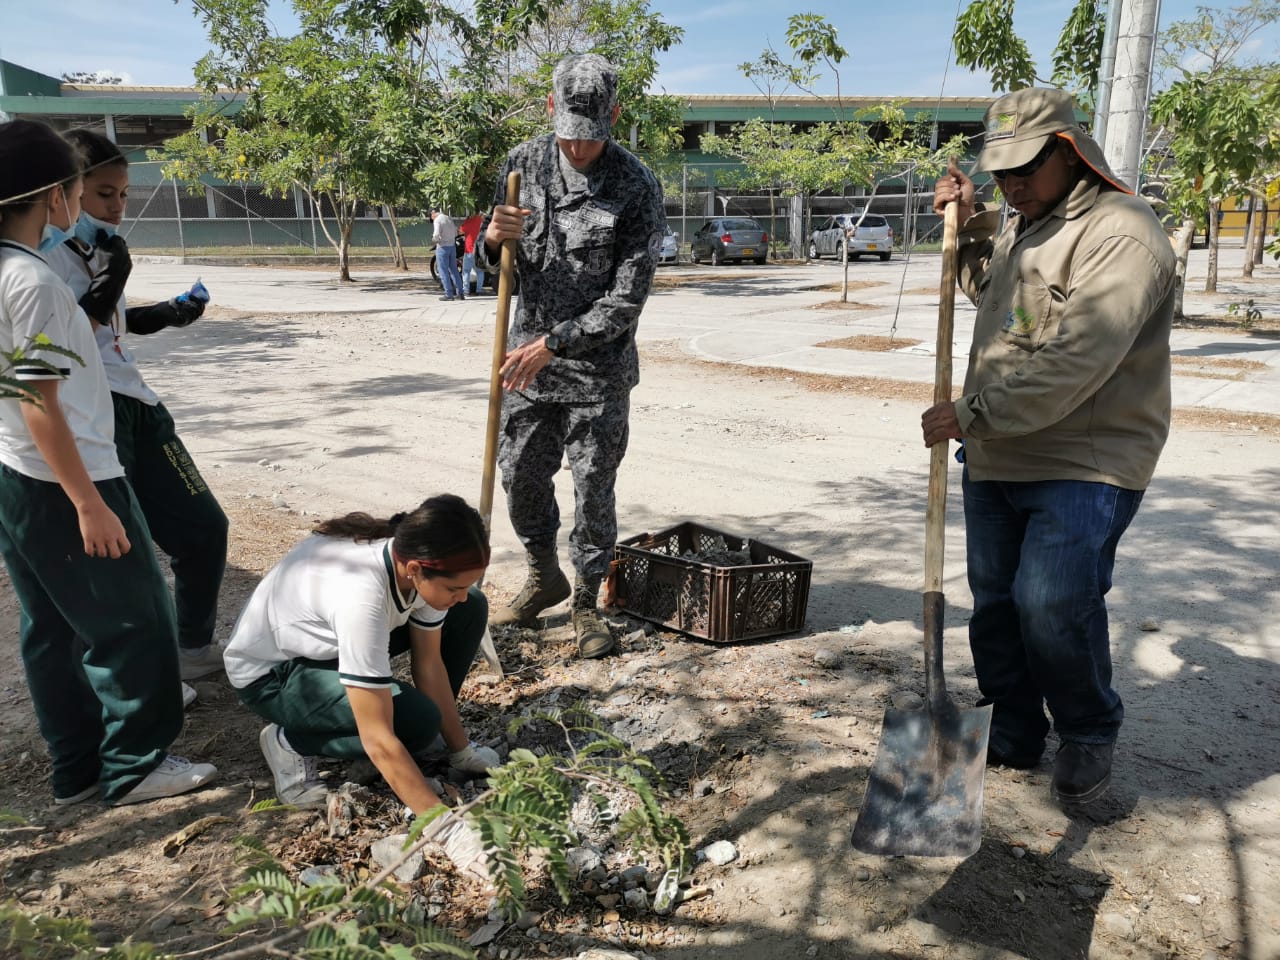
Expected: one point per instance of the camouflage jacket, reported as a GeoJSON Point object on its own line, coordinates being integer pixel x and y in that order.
{"type": "Point", "coordinates": [586, 263]}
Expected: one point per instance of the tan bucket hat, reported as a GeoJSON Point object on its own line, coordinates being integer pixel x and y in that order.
{"type": "Point", "coordinates": [1018, 124]}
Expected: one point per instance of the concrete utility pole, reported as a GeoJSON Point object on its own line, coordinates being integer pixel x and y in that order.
{"type": "Point", "coordinates": [1125, 113]}
{"type": "Point", "coordinates": [1106, 70]}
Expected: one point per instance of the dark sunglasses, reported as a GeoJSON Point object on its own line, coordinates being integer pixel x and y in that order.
{"type": "Point", "coordinates": [1032, 165]}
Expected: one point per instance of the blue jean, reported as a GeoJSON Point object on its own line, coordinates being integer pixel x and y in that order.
{"type": "Point", "coordinates": [468, 268]}
{"type": "Point", "coordinates": [1040, 557]}
{"type": "Point", "coordinates": [447, 261]}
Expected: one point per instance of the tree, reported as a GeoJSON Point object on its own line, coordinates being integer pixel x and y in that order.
{"type": "Point", "coordinates": [325, 111]}
{"type": "Point", "coordinates": [102, 78]}
{"type": "Point", "coordinates": [1218, 116]}
{"type": "Point", "coordinates": [985, 40]}
{"type": "Point", "coordinates": [829, 155]}
{"type": "Point", "coordinates": [394, 104]}
{"type": "Point", "coordinates": [628, 35]}
{"type": "Point", "coordinates": [1218, 146]}
{"type": "Point", "coordinates": [762, 146]}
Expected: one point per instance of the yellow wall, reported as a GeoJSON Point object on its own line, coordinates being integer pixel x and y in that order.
{"type": "Point", "coordinates": [1235, 215]}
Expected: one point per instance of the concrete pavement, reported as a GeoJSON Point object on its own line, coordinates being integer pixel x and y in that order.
{"type": "Point", "coordinates": [776, 316]}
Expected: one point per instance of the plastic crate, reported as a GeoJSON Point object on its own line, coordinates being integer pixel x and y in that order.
{"type": "Point", "coordinates": [652, 580]}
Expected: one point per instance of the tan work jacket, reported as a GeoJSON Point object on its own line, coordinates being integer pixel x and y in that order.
{"type": "Point", "coordinates": [1068, 375]}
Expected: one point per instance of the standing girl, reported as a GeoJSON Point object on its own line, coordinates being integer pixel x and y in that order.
{"type": "Point", "coordinates": [312, 650]}
{"type": "Point", "coordinates": [97, 630]}
{"type": "Point", "coordinates": [184, 516]}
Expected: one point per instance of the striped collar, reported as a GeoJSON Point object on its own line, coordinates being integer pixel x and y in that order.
{"type": "Point", "coordinates": [403, 603]}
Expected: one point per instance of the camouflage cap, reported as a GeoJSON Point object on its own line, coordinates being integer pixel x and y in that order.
{"type": "Point", "coordinates": [585, 89]}
{"type": "Point", "coordinates": [1017, 125]}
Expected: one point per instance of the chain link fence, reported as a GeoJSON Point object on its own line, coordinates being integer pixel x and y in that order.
{"type": "Point", "coordinates": [165, 217]}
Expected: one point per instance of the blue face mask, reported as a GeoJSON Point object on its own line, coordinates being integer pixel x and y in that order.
{"type": "Point", "coordinates": [53, 236]}
{"type": "Point", "coordinates": [87, 229]}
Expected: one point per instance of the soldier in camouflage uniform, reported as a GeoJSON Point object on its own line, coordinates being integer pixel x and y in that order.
{"type": "Point", "coordinates": [589, 226]}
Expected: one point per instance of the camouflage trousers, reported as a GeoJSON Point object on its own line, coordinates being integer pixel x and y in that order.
{"type": "Point", "coordinates": [534, 438]}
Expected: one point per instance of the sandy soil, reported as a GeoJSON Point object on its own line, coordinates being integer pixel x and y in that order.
{"type": "Point", "coordinates": [294, 417]}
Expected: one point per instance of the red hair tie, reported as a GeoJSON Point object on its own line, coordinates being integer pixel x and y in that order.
{"type": "Point", "coordinates": [463, 560]}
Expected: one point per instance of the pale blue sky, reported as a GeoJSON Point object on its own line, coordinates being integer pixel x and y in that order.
{"type": "Point", "coordinates": [894, 50]}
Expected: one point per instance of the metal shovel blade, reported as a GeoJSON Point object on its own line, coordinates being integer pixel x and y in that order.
{"type": "Point", "coordinates": [924, 794]}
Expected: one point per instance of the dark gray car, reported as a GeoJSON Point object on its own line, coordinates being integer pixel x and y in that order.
{"type": "Point", "coordinates": [729, 238]}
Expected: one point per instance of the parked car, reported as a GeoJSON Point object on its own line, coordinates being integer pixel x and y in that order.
{"type": "Point", "coordinates": [670, 252]}
{"type": "Point", "coordinates": [729, 238]}
{"type": "Point", "coordinates": [873, 236]}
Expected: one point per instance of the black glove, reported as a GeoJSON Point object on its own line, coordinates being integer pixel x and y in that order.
{"type": "Point", "coordinates": [187, 309]}
{"type": "Point", "coordinates": [166, 313]}
{"type": "Point", "coordinates": [107, 285]}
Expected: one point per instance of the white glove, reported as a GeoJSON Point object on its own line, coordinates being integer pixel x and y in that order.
{"type": "Point", "coordinates": [474, 758]}
{"type": "Point", "coordinates": [461, 843]}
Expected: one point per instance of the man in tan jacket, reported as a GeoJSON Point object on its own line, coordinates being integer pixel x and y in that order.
{"type": "Point", "coordinates": [1064, 414]}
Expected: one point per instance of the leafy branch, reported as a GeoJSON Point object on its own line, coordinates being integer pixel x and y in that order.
{"type": "Point", "coordinates": [526, 809]}
{"type": "Point", "coordinates": [11, 388]}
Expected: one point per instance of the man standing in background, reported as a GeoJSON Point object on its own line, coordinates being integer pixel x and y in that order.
{"type": "Point", "coordinates": [443, 235]}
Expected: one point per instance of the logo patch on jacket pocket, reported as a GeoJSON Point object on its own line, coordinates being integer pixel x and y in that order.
{"type": "Point", "coordinates": [1019, 322]}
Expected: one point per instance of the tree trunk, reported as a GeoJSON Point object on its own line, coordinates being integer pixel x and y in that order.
{"type": "Point", "coordinates": [1181, 251]}
{"type": "Point", "coordinates": [402, 261]}
{"type": "Point", "coordinates": [1211, 273]}
{"type": "Point", "coordinates": [386, 235]}
{"type": "Point", "coordinates": [805, 223]}
{"type": "Point", "coordinates": [344, 248]}
{"type": "Point", "coordinates": [1251, 229]}
{"type": "Point", "coordinates": [844, 275]}
{"type": "Point", "coordinates": [773, 228]}
{"type": "Point", "coordinates": [1261, 247]}
{"type": "Point", "coordinates": [344, 220]}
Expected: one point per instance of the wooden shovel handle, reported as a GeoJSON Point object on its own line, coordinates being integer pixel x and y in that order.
{"type": "Point", "coordinates": [935, 521]}
{"type": "Point", "coordinates": [506, 283]}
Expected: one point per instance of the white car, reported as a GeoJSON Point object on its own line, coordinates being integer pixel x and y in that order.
{"type": "Point", "coordinates": [873, 236]}
{"type": "Point", "coordinates": [670, 252]}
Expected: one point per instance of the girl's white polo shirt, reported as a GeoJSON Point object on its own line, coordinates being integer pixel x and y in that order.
{"type": "Point", "coordinates": [34, 301]}
{"type": "Point", "coordinates": [330, 598]}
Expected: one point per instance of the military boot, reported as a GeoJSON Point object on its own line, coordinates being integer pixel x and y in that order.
{"type": "Point", "coordinates": [545, 586]}
{"type": "Point", "coordinates": [594, 638]}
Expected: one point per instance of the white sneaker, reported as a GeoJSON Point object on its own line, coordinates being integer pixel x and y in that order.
{"type": "Point", "coordinates": [189, 695]}
{"type": "Point", "coordinates": [297, 781]}
{"type": "Point", "coordinates": [200, 661]}
{"type": "Point", "coordinates": [175, 775]}
{"type": "Point", "coordinates": [80, 797]}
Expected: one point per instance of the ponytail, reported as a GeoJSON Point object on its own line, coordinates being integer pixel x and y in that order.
{"type": "Point", "coordinates": [359, 527]}
{"type": "Point", "coordinates": [444, 534]}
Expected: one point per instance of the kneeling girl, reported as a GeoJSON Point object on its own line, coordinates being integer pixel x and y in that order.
{"type": "Point", "coordinates": [311, 652]}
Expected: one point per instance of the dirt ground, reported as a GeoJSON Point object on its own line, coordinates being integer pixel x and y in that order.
{"type": "Point", "coordinates": [765, 744]}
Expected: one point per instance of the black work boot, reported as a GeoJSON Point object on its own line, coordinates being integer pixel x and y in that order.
{"type": "Point", "coordinates": [594, 638]}
{"type": "Point", "coordinates": [1081, 772]}
{"type": "Point", "coordinates": [545, 586]}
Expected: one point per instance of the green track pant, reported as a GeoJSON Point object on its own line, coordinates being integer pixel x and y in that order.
{"type": "Point", "coordinates": [308, 701]}
{"type": "Point", "coordinates": [98, 637]}
{"type": "Point", "coordinates": [185, 518]}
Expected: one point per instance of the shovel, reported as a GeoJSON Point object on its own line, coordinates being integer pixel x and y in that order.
{"type": "Point", "coordinates": [506, 281]}
{"type": "Point", "coordinates": [924, 795]}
